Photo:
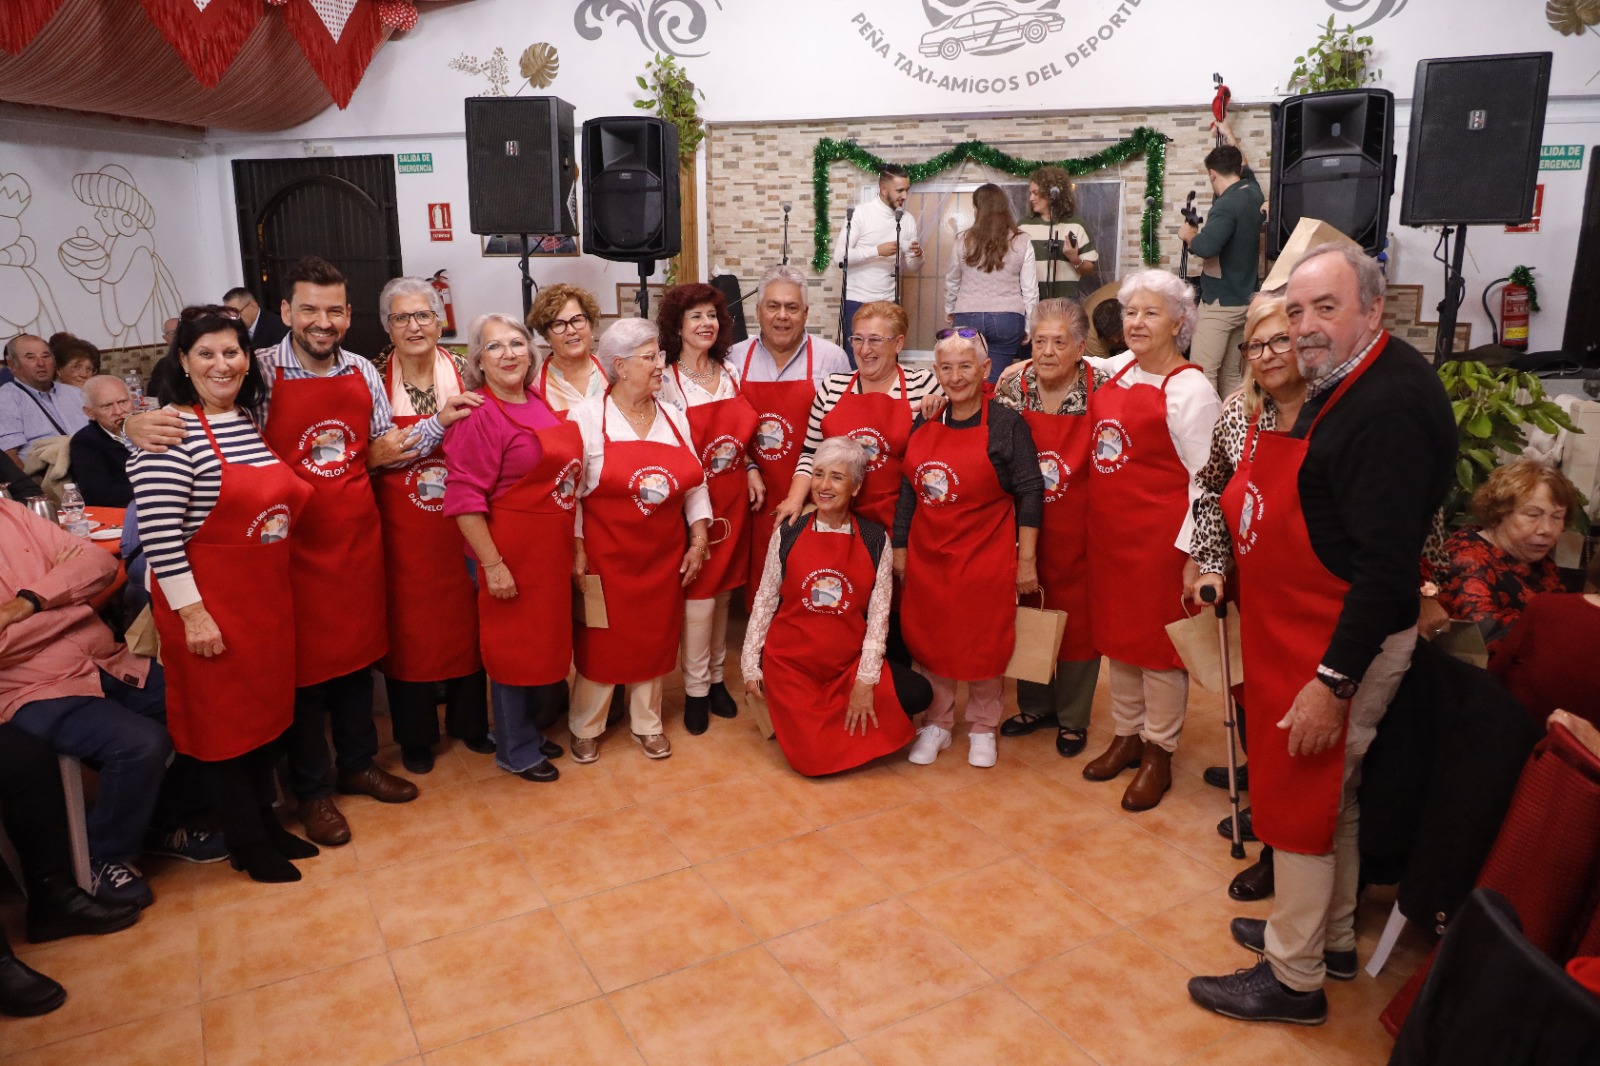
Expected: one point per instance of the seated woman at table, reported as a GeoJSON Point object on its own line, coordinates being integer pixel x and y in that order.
{"type": "Point", "coordinates": [814, 645]}
{"type": "Point", "coordinates": [565, 316]}
{"type": "Point", "coordinates": [216, 514]}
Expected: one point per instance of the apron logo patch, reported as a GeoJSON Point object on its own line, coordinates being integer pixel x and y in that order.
{"type": "Point", "coordinates": [566, 491]}
{"type": "Point", "coordinates": [873, 443]}
{"type": "Point", "coordinates": [271, 525]}
{"type": "Point", "coordinates": [774, 437]}
{"type": "Point", "coordinates": [826, 591]}
{"type": "Point", "coordinates": [325, 448]}
{"type": "Point", "coordinates": [721, 455]}
{"type": "Point", "coordinates": [1111, 444]}
{"type": "Point", "coordinates": [1249, 515]}
{"type": "Point", "coordinates": [937, 484]}
{"type": "Point", "coordinates": [1057, 475]}
{"type": "Point", "coordinates": [651, 486]}
{"type": "Point", "coordinates": [425, 483]}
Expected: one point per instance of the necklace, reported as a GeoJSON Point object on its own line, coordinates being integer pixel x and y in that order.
{"type": "Point", "coordinates": [641, 420]}
{"type": "Point", "coordinates": [702, 377]}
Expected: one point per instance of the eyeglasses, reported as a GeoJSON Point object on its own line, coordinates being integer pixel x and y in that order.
{"type": "Point", "coordinates": [657, 356]}
{"type": "Point", "coordinates": [421, 318]}
{"type": "Point", "coordinates": [496, 347]}
{"type": "Point", "coordinates": [559, 326]}
{"type": "Point", "coordinates": [1282, 344]}
{"type": "Point", "coordinates": [874, 341]}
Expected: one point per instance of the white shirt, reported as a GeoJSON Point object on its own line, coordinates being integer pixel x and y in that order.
{"type": "Point", "coordinates": [871, 274]}
{"type": "Point", "coordinates": [827, 358]}
{"type": "Point", "coordinates": [692, 394]}
{"type": "Point", "coordinates": [587, 416]}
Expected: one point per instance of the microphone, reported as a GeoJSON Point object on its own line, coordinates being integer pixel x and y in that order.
{"type": "Point", "coordinates": [849, 213]}
{"type": "Point", "coordinates": [1055, 193]}
{"type": "Point", "coordinates": [899, 211]}
{"type": "Point", "coordinates": [786, 205]}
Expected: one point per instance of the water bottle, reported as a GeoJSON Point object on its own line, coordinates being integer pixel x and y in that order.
{"type": "Point", "coordinates": [73, 520]}
{"type": "Point", "coordinates": [135, 388]}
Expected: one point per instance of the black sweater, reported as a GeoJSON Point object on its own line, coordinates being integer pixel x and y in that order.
{"type": "Point", "coordinates": [1375, 471]}
{"type": "Point", "coordinates": [100, 467]}
{"type": "Point", "coordinates": [1016, 464]}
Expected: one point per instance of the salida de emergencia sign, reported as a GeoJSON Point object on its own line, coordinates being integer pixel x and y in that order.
{"type": "Point", "coordinates": [1561, 157]}
{"type": "Point", "coordinates": [414, 162]}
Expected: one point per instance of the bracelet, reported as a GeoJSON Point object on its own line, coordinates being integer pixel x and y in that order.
{"type": "Point", "coordinates": [497, 562]}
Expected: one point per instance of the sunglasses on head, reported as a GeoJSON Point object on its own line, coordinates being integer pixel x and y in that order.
{"type": "Point", "coordinates": [965, 332]}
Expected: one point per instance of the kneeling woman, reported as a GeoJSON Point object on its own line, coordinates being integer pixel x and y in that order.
{"type": "Point", "coordinates": [814, 645]}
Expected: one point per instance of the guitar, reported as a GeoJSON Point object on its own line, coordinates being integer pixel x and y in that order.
{"type": "Point", "coordinates": [1192, 217]}
{"type": "Point", "coordinates": [1219, 108]}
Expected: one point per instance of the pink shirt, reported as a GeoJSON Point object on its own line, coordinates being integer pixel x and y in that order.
{"type": "Point", "coordinates": [491, 451]}
{"type": "Point", "coordinates": [60, 650]}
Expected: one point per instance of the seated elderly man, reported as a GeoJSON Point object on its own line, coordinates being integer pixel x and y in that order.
{"type": "Point", "coordinates": [34, 406]}
{"type": "Point", "coordinates": [99, 459]}
{"type": "Point", "coordinates": [65, 680]}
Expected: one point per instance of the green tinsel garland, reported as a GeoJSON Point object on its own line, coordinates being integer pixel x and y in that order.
{"type": "Point", "coordinates": [1524, 276]}
{"type": "Point", "coordinates": [1151, 143]}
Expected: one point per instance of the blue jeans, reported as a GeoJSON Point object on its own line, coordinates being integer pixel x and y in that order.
{"type": "Point", "coordinates": [1003, 330]}
{"type": "Point", "coordinates": [850, 309]}
{"type": "Point", "coordinates": [124, 735]}
{"type": "Point", "coordinates": [517, 736]}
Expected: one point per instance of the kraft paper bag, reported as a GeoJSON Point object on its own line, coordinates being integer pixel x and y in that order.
{"type": "Point", "coordinates": [1195, 638]}
{"type": "Point", "coordinates": [142, 638]}
{"type": "Point", "coordinates": [758, 711]}
{"type": "Point", "coordinates": [1308, 233]}
{"type": "Point", "coordinates": [1464, 641]}
{"type": "Point", "coordinates": [590, 608]}
{"type": "Point", "coordinates": [1039, 633]}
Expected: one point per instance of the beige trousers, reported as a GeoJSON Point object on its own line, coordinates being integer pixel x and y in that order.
{"type": "Point", "coordinates": [1215, 347]}
{"type": "Point", "coordinates": [591, 700]}
{"type": "Point", "coordinates": [1314, 902]}
{"type": "Point", "coordinates": [1149, 703]}
{"type": "Point", "coordinates": [705, 642]}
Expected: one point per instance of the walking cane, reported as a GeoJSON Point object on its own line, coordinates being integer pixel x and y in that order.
{"type": "Point", "coordinates": [1229, 718]}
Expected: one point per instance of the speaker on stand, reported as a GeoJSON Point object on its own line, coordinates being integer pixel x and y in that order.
{"type": "Point", "coordinates": [630, 193]}
{"type": "Point", "coordinates": [1332, 160]}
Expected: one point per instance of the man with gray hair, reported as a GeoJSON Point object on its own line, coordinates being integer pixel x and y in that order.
{"type": "Point", "coordinates": [1328, 522]}
{"type": "Point", "coordinates": [99, 458]}
{"type": "Point", "coordinates": [34, 406]}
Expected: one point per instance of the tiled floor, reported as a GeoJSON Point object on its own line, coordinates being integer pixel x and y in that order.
{"type": "Point", "coordinates": [712, 908]}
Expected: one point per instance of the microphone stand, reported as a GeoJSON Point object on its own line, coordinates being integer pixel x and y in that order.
{"type": "Point", "coordinates": [1053, 249]}
{"type": "Point", "coordinates": [844, 264]}
{"type": "Point", "coordinates": [786, 234]}
{"type": "Point", "coordinates": [898, 213]}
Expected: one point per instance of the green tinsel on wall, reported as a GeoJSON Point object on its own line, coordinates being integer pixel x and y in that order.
{"type": "Point", "coordinates": [1146, 141]}
{"type": "Point", "coordinates": [1524, 276]}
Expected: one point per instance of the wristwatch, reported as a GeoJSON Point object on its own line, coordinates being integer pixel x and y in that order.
{"type": "Point", "coordinates": [1341, 686]}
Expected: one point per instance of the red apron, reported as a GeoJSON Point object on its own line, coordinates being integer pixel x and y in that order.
{"type": "Point", "coordinates": [634, 536]}
{"type": "Point", "coordinates": [881, 424]}
{"type": "Point", "coordinates": [1284, 627]}
{"type": "Point", "coordinates": [1138, 497]}
{"type": "Point", "coordinates": [782, 410]}
{"type": "Point", "coordinates": [958, 613]}
{"type": "Point", "coordinates": [222, 707]}
{"type": "Point", "coordinates": [1063, 443]}
{"type": "Point", "coordinates": [544, 383]}
{"type": "Point", "coordinates": [319, 426]}
{"type": "Point", "coordinates": [433, 612]}
{"type": "Point", "coordinates": [723, 430]}
{"type": "Point", "coordinates": [812, 652]}
{"type": "Point", "coordinates": [527, 640]}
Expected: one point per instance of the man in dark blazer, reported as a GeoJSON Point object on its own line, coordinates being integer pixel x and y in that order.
{"type": "Point", "coordinates": [265, 330]}
{"type": "Point", "coordinates": [99, 458]}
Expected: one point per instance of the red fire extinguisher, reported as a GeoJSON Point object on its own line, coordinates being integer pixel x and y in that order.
{"type": "Point", "coordinates": [1518, 299]}
{"type": "Point", "coordinates": [441, 285]}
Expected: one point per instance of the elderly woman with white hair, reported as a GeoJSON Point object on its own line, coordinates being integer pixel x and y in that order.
{"type": "Point", "coordinates": [433, 617]}
{"type": "Point", "coordinates": [814, 647]}
{"type": "Point", "coordinates": [514, 474]}
{"type": "Point", "coordinates": [1150, 434]}
{"type": "Point", "coordinates": [643, 535]}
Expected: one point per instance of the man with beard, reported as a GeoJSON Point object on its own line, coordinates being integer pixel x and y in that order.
{"type": "Point", "coordinates": [1327, 565]}
{"type": "Point", "coordinates": [876, 261]}
{"type": "Point", "coordinates": [325, 412]}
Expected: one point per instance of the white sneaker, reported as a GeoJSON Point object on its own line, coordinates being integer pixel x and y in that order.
{"type": "Point", "coordinates": [931, 740]}
{"type": "Point", "coordinates": [981, 750]}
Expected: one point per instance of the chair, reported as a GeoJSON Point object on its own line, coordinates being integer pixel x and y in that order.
{"type": "Point", "coordinates": [77, 828]}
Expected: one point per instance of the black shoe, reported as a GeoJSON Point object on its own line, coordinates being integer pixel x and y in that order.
{"type": "Point", "coordinates": [1023, 723]}
{"type": "Point", "coordinates": [481, 745]}
{"type": "Point", "coordinates": [1070, 742]}
{"type": "Point", "coordinates": [541, 772]}
{"type": "Point", "coordinates": [1254, 995]}
{"type": "Point", "coordinates": [1252, 933]}
{"type": "Point", "coordinates": [1247, 829]}
{"type": "Point", "coordinates": [263, 863]}
{"type": "Point", "coordinates": [284, 842]}
{"type": "Point", "coordinates": [25, 992]}
{"type": "Point", "coordinates": [695, 710]}
{"type": "Point", "coordinates": [551, 750]}
{"type": "Point", "coordinates": [722, 704]}
{"type": "Point", "coordinates": [1256, 882]}
{"type": "Point", "coordinates": [417, 760]}
{"type": "Point", "coordinates": [1217, 777]}
{"type": "Point", "coordinates": [59, 908]}
{"type": "Point", "coordinates": [619, 706]}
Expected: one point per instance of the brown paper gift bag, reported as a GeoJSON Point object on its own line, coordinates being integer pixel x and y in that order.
{"type": "Point", "coordinates": [141, 636]}
{"type": "Point", "coordinates": [1039, 633]}
{"type": "Point", "coordinates": [1195, 638]}
{"type": "Point", "coordinates": [758, 710]}
{"type": "Point", "coordinates": [590, 608]}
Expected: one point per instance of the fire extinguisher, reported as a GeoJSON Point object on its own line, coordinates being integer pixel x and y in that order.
{"type": "Point", "coordinates": [441, 285]}
{"type": "Point", "coordinates": [1518, 300]}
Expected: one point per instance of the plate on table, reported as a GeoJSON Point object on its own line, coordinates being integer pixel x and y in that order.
{"type": "Point", "coordinates": [111, 533]}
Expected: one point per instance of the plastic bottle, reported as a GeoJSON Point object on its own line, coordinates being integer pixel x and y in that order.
{"type": "Point", "coordinates": [135, 388]}
{"type": "Point", "coordinates": [73, 519]}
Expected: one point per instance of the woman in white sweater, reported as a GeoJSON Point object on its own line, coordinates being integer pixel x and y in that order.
{"type": "Point", "coordinates": [993, 284]}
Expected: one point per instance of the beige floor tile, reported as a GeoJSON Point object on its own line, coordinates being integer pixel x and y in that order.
{"type": "Point", "coordinates": [1256, 1045]}
{"type": "Point", "coordinates": [1195, 933]}
{"type": "Point", "coordinates": [987, 1027]}
{"type": "Point", "coordinates": [1189, 823]}
{"type": "Point", "coordinates": [719, 820]}
{"type": "Point", "coordinates": [742, 1010]}
{"type": "Point", "coordinates": [317, 928]}
{"type": "Point", "coordinates": [695, 763]}
{"type": "Point", "coordinates": [783, 887]}
{"type": "Point", "coordinates": [450, 892]}
{"type": "Point", "coordinates": [592, 855]}
{"type": "Point", "coordinates": [161, 1040]}
{"type": "Point", "coordinates": [1024, 810]}
{"type": "Point", "coordinates": [842, 797]}
{"type": "Point", "coordinates": [587, 1034]}
{"type": "Point", "coordinates": [843, 1055]}
{"type": "Point", "coordinates": [520, 806]}
{"type": "Point", "coordinates": [1353, 1035]}
{"type": "Point", "coordinates": [439, 820]}
{"type": "Point", "coordinates": [218, 884]}
{"type": "Point", "coordinates": [917, 844]}
{"type": "Point", "coordinates": [1126, 872]}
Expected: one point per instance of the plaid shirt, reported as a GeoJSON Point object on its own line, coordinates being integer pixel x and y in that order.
{"type": "Point", "coordinates": [1344, 369]}
{"type": "Point", "coordinates": [429, 432]}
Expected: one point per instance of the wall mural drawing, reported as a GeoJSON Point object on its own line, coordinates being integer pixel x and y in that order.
{"type": "Point", "coordinates": [1375, 10]}
{"type": "Point", "coordinates": [669, 26]}
{"type": "Point", "coordinates": [135, 287]}
{"type": "Point", "coordinates": [26, 303]}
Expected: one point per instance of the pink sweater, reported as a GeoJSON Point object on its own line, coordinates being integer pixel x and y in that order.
{"type": "Point", "coordinates": [491, 450]}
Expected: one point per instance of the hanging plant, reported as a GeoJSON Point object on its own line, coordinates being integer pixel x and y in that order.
{"type": "Point", "coordinates": [1337, 60]}
{"type": "Point", "coordinates": [673, 100]}
{"type": "Point", "coordinates": [1523, 276]}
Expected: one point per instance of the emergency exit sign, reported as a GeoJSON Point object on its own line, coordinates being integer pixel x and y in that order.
{"type": "Point", "coordinates": [1561, 157]}
{"type": "Point", "coordinates": [421, 162]}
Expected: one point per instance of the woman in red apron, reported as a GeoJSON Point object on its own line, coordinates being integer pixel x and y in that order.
{"type": "Point", "coordinates": [695, 327]}
{"type": "Point", "coordinates": [972, 507]}
{"type": "Point", "coordinates": [643, 539]}
{"type": "Point", "coordinates": [1053, 395]}
{"type": "Point", "coordinates": [222, 603]}
{"type": "Point", "coordinates": [565, 316]}
{"type": "Point", "coordinates": [433, 615]}
{"type": "Point", "coordinates": [1151, 432]}
{"type": "Point", "coordinates": [514, 471]}
{"type": "Point", "coordinates": [814, 645]}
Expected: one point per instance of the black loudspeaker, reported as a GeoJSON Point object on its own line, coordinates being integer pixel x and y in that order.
{"type": "Point", "coordinates": [1473, 154]}
{"type": "Point", "coordinates": [520, 163]}
{"type": "Point", "coordinates": [728, 285]}
{"type": "Point", "coordinates": [1333, 160]}
{"type": "Point", "coordinates": [630, 189]}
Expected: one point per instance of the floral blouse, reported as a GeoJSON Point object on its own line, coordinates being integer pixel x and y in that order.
{"type": "Point", "coordinates": [1480, 583]}
{"type": "Point", "coordinates": [1076, 402]}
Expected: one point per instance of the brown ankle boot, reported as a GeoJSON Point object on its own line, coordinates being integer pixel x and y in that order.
{"type": "Point", "coordinates": [1152, 780]}
{"type": "Point", "coordinates": [1123, 754]}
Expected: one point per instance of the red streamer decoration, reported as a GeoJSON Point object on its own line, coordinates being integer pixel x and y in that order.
{"type": "Point", "coordinates": [339, 64]}
{"type": "Point", "coordinates": [207, 41]}
{"type": "Point", "coordinates": [21, 20]}
{"type": "Point", "coordinates": [398, 15]}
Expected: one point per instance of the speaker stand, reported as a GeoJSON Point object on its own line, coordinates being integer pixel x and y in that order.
{"type": "Point", "coordinates": [527, 278]}
{"type": "Point", "coordinates": [1455, 289]}
{"type": "Point", "coordinates": [646, 268]}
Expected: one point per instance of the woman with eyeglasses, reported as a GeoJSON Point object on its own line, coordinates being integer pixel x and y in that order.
{"type": "Point", "coordinates": [874, 405]}
{"type": "Point", "coordinates": [565, 316]}
{"type": "Point", "coordinates": [433, 614]}
{"type": "Point", "coordinates": [1150, 434]}
{"type": "Point", "coordinates": [992, 284]}
{"type": "Point", "coordinates": [643, 535]}
{"type": "Point", "coordinates": [966, 537]}
{"type": "Point", "coordinates": [514, 473]}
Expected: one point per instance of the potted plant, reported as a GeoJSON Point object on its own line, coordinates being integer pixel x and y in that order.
{"type": "Point", "coordinates": [1337, 60]}
{"type": "Point", "coordinates": [674, 100]}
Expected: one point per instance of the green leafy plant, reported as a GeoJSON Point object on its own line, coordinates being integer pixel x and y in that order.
{"type": "Point", "coordinates": [1338, 60]}
{"type": "Point", "coordinates": [673, 100]}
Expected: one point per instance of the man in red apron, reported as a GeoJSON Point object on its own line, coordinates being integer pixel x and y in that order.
{"type": "Point", "coordinates": [1327, 522]}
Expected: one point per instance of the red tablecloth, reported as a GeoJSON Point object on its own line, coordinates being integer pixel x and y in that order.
{"type": "Point", "coordinates": [109, 518]}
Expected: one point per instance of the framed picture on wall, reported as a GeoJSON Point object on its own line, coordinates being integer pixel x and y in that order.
{"type": "Point", "coordinates": [551, 245]}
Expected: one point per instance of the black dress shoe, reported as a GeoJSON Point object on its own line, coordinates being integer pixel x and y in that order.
{"type": "Point", "coordinates": [1254, 995]}
{"type": "Point", "coordinates": [284, 842]}
{"type": "Point", "coordinates": [417, 760]}
{"type": "Point", "coordinates": [1252, 933]}
{"type": "Point", "coordinates": [619, 706]}
{"type": "Point", "coordinates": [551, 750]}
{"type": "Point", "coordinates": [696, 714]}
{"type": "Point", "coordinates": [722, 702]}
{"type": "Point", "coordinates": [1217, 777]}
{"type": "Point", "coordinates": [1247, 829]}
{"type": "Point", "coordinates": [542, 772]}
{"type": "Point", "coordinates": [1255, 882]}
{"type": "Point", "coordinates": [1070, 742]}
{"type": "Point", "coordinates": [59, 908]}
{"type": "Point", "coordinates": [25, 992]}
{"type": "Point", "coordinates": [1023, 723]}
{"type": "Point", "coordinates": [263, 863]}
{"type": "Point", "coordinates": [481, 745]}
